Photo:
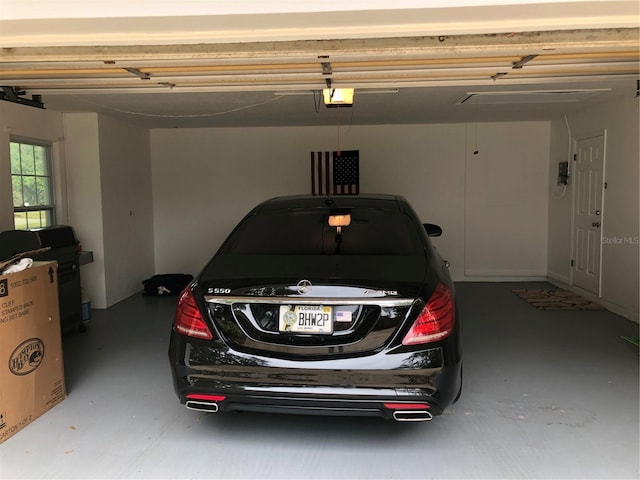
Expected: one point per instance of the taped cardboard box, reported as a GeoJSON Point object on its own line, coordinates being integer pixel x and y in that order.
{"type": "Point", "coordinates": [31, 365]}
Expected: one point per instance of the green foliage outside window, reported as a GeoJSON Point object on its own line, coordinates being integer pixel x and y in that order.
{"type": "Point", "coordinates": [31, 182]}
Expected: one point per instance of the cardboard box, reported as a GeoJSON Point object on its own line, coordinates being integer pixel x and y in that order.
{"type": "Point", "coordinates": [31, 366]}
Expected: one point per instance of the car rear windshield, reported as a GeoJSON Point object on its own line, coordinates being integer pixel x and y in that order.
{"type": "Point", "coordinates": [307, 232]}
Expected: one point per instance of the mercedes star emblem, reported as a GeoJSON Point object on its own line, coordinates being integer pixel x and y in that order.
{"type": "Point", "coordinates": [304, 287]}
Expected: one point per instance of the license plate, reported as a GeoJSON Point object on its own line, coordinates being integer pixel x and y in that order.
{"type": "Point", "coordinates": [313, 319]}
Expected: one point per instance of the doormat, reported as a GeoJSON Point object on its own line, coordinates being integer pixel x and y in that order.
{"type": "Point", "coordinates": [557, 300]}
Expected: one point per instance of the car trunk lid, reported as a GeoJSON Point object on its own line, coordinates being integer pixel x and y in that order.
{"type": "Point", "coordinates": [292, 313]}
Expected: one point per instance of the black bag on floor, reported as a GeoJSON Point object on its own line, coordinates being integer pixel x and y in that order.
{"type": "Point", "coordinates": [166, 284]}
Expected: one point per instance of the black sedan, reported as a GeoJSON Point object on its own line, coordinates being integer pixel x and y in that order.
{"type": "Point", "coordinates": [322, 306]}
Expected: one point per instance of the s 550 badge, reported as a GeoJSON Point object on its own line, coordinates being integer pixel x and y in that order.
{"type": "Point", "coordinates": [219, 291]}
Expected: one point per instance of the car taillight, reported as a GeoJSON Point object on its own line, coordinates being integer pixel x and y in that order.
{"type": "Point", "coordinates": [188, 320]}
{"type": "Point", "coordinates": [436, 319]}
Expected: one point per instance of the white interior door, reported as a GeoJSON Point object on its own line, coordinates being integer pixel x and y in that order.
{"type": "Point", "coordinates": [589, 185]}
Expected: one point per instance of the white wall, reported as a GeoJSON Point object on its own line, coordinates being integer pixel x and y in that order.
{"type": "Point", "coordinates": [110, 202]}
{"type": "Point", "coordinates": [506, 190]}
{"type": "Point", "coordinates": [85, 199]}
{"type": "Point", "coordinates": [127, 207]}
{"type": "Point", "coordinates": [620, 214]}
{"type": "Point", "coordinates": [205, 180]}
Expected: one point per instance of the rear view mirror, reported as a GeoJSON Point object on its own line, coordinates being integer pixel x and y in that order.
{"type": "Point", "coordinates": [432, 230]}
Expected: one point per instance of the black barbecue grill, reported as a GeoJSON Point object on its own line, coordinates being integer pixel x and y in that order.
{"type": "Point", "coordinates": [63, 249]}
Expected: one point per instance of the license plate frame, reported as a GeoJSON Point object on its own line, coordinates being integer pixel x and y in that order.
{"type": "Point", "coordinates": [306, 319]}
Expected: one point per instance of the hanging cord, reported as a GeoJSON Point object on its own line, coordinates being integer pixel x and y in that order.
{"type": "Point", "coordinates": [475, 139]}
{"type": "Point", "coordinates": [569, 145]}
{"type": "Point", "coordinates": [338, 122]}
{"type": "Point", "coordinates": [199, 115]}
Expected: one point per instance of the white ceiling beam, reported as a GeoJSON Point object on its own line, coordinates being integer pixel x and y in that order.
{"type": "Point", "coordinates": [544, 44]}
{"type": "Point", "coordinates": [37, 9]}
{"type": "Point", "coordinates": [474, 19]}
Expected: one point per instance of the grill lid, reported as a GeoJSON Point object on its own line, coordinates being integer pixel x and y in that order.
{"type": "Point", "coordinates": [13, 242]}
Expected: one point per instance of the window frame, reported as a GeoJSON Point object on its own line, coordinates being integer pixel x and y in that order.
{"type": "Point", "coordinates": [48, 209]}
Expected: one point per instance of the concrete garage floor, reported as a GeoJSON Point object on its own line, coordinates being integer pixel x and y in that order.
{"type": "Point", "coordinates": [546, 395]}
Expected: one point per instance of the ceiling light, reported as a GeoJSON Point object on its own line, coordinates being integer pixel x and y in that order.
{"type": "Point", "coordinates": [338, 97]}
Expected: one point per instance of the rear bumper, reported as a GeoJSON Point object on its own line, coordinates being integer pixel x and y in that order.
{"type": "Point", "coordinates": [342, 406]}
{"type": "Point", "coordinates": [357, 386]}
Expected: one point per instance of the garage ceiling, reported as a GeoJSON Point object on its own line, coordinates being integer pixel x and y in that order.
{"type": "Point", "coordinates": [275, 81]}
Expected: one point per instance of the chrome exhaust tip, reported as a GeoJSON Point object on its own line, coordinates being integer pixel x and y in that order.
{"type": "Point", "coordinates": [202, 406]}
{"type": "Point", "coordinates": [412, 416]}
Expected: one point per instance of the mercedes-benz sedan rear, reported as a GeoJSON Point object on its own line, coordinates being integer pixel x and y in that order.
{"type": "Point", "coordinates": [317, 305]}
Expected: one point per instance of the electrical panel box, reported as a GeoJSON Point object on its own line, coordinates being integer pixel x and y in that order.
{"type": "Point", "coordinates": [563, 173]}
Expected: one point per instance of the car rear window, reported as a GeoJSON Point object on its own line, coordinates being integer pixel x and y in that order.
{"type": "Point", "coordinates": [307, 232]}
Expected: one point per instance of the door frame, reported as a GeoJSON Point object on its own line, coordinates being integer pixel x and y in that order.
{"type": "Point", "coordinates": [572, 250]}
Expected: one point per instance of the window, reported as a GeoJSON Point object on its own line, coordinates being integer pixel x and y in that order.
{"type": "Point", "coordinates": [32, 187]}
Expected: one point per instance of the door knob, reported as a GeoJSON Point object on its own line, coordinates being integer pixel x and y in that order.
{"type": "Point", "coordinates": [597, 212]}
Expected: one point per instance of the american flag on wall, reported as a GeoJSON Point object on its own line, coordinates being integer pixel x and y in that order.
{"type": "Point", "coordinates": [335, 173]}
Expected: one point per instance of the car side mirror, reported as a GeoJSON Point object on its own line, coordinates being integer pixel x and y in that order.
{"type": "Point", "coordinates": [432, 230]}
